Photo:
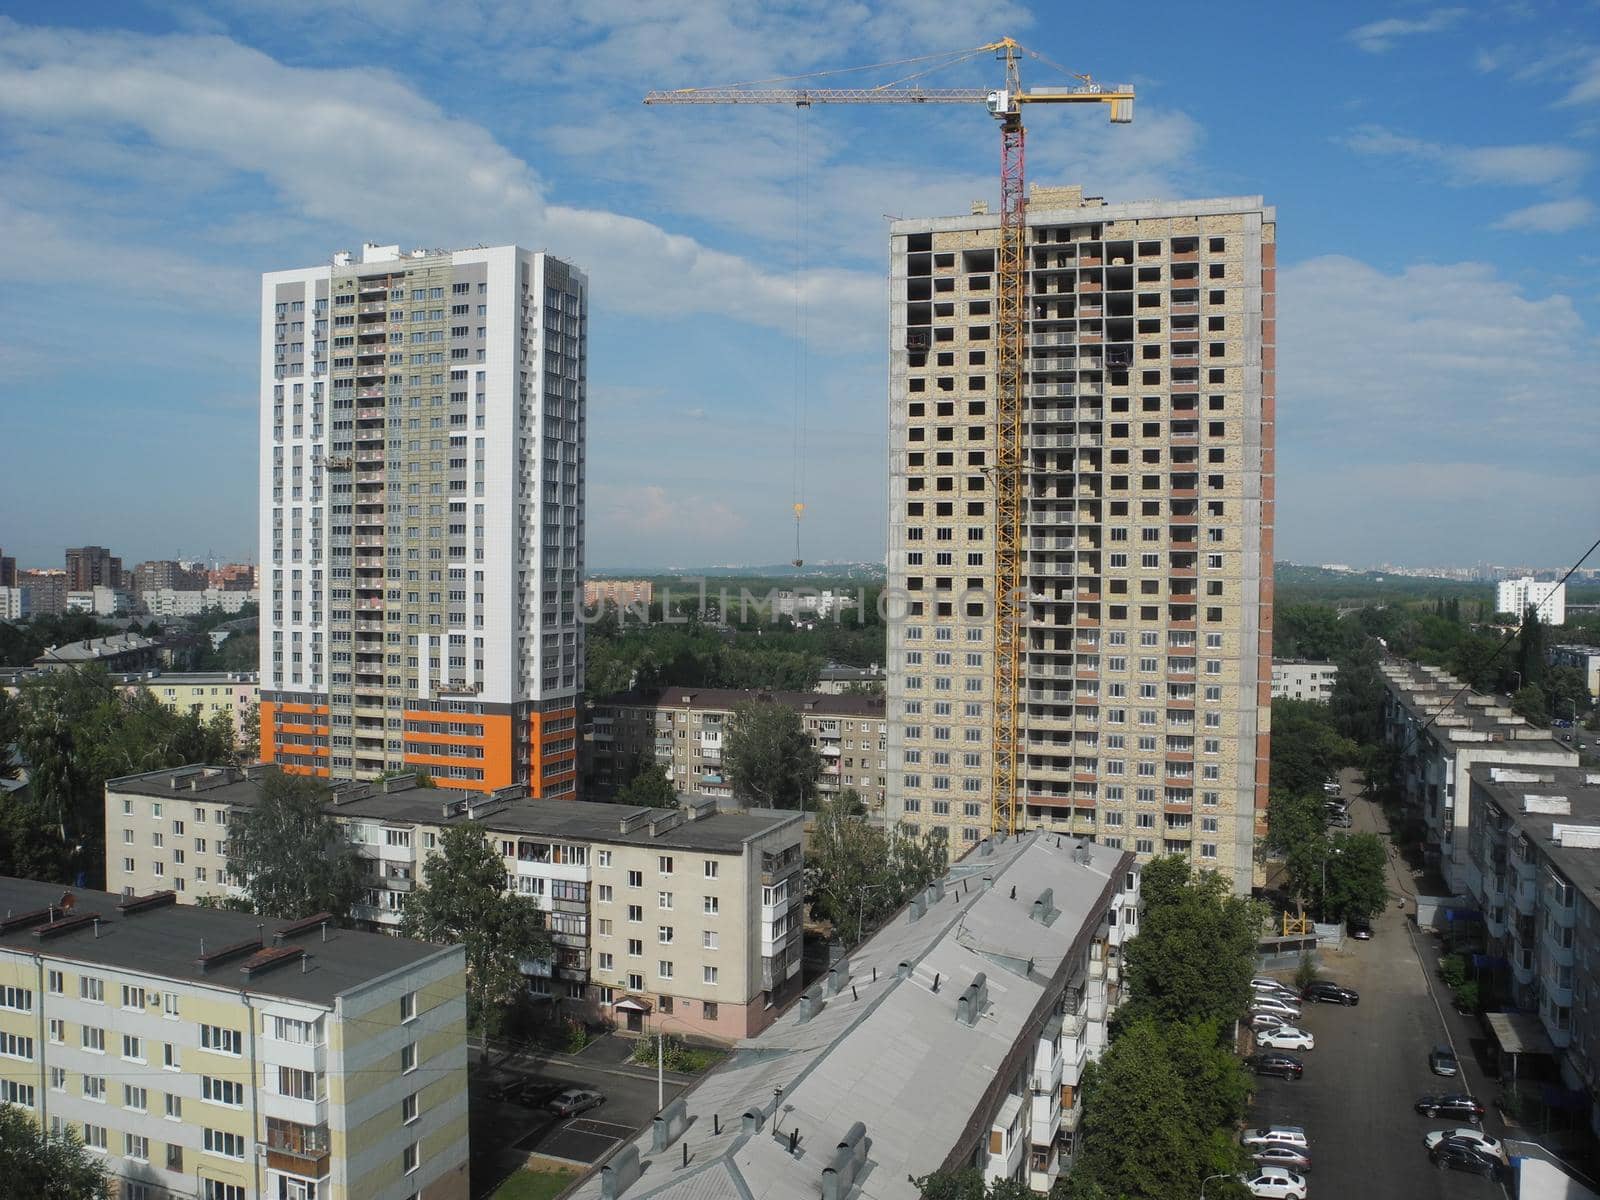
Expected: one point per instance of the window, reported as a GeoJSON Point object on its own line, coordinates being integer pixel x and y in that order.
{"type": "Point", "coordinates": [664, 969]}
{"type": "Point", "coordinates": [664, 900]}
{"type": "Point", "coordinates": [224, 1144]}
{"type": "Point", "coordinates": [94, 1088]}
{"type": "Point", "coordinates": [408, 1057]}
{"type": "Point", "coordinates": [636, 983]}
{"type": "Point", "coordinates": [220, 1040]}
{"type": "Point", "coordinates": [93, 1039]}
{"type": "Point", "coordinates": [301, 1033]}
{"type": "Point", "coordinates": [664, 864]}
{"type": "Point", "coordinates": [635, 914]}
{"type": "Point", "coordinates": [56, 983]}
{"type": "Point", "coordinates": [408, 1007]}
{"type": "Point", "coordinates": [710, 1010]}
{"type": "Point", "coordinates": [711, 868]}
{"type": "Point", "coordinates": [607, 961]}
{"type": "Point", "coordinates": [635, 947]}
{"type": "Point", "coordinates": [636, 879]}
{"type": "Point", "coordinates": [712, 906]}
{"type": "Point", "coordinates": [664, 934]}
{"type": "Point", "coordinates": [14, 1045]}
{"type": "Point", "coordinates": [408, 1159]}
{"type": "Point", "coordinates": [708, 974]}
{"type": "Point", "coordinates": [174, 1107]}
{"type": "Point", "coordinates": [92, 989]}
{"type": "Point", "coordinates": [58, 1079]}
{"type": "Point", "coordinates": [708, 939]}
{"type": "Point", "coordinates": [169, 1057]}
{"type": "Point", "coordinates": [221, 1191]}
{"type": "Point", "coordinates": [408, 1108]}
{"type": "Point", "coordinates": [136, 1147]}
{"type": "Point", "coordinates": [94, 1137]}
{"type": "Point", "coordinates": [222, 1091]}
{"type": "Point", "coordinates": [604, 893]}
{"type": "Point", "coordinates": [132, 1048]}
{"type": "Point", "coordinates": [19, 999]}
{"type": "Point", "coordinates": [135, 1098]}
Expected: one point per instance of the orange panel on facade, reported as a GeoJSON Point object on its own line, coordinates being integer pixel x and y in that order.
{"type": "Point", "coordinates": [494, 744]}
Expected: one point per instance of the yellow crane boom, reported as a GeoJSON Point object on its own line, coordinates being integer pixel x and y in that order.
{"type": "Point", "coordinates": [1005, 105]}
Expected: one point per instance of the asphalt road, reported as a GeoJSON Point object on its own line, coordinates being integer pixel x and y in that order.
{"type": "Point", "coordinates": [1369, 1067]}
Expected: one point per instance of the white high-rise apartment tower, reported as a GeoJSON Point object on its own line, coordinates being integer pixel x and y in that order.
{"type": "Point", "coordinates": [422, 491]}
{"type": "Point", "coordinates": [1547, 598]}
{"type": "Point", "coordinates": [1144, 529]}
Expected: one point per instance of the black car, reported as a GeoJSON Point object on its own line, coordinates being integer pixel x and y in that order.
{"type": "Point", "coordinates": [1327, 992]}
{"type": "Point", "coordinates": [1269, 1062]}
{"type": "Point", "coordinates": [1458, 1154]}
{"type": "Point", "coordinates": [1442, 1061]}
{"type": "Point", "coordinates": [1360, 928]}
{"type": "Point", "coordinates": [1452, 1104]}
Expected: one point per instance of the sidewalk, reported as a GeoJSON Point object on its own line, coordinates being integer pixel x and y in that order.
{"type": "Point", "coordinates": [607, 1055]}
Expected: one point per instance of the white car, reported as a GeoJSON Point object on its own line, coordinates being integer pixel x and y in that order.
{"type": "Point", "coordinates": [1276, 1183]}
{"type": "Point", "coordinates": [1273, 1004]}
{"type": "Point", "coordinates": [1275, 1135]}
{"type": "Point", "coordinates": [1489, 1145]}
{"type": "Point", "coordinates": [1285, 1037]}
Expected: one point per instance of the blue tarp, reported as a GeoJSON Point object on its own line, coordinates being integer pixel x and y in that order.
{"type": "Point", "coordinates": [1470, 918]}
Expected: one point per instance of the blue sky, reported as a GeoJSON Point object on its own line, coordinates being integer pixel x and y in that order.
{"type": "Point", "coordinates": [1434, 171]}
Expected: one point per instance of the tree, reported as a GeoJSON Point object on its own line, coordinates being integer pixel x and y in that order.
{"type": "Point", "coordinates": [769, 755]}
{"type": "Point", "coordinates": [463, 900]}
{"type": "Point", "coordinates": [290, 855]}
{"type": "Point", "coordinates": [856, 875]}
{"type": "Point", "coordinates": [250, 738]}
{"type": "Point", "coordinates": [1530, 704]}
{"type": "Point", "coordinates": [1531, 649]}
{"type": "Point", "coordinates": [1195, 951]}
{"type": "Point", "coordinates": [1357, 886]}
{"type": "Point", "coordinates": [1568, 692]}
{"type": "Point", "coordinates": [1202, 1053]}
{"type": "Point", "coordinates": [46, 1166]}
{"type": "Point", "coordinates": [1297, 830]}
{"type": "Point", "coordinates": [649, 788]}
{"type": "Point", "coordinates": [1306, 749]}
{"type": "Point", "coordinates": [1139, 1128]}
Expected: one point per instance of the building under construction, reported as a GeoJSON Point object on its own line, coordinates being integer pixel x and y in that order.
{"type": "Point", "coordinates": [1136, 538]}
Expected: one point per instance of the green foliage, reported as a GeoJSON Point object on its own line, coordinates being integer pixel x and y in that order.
{"type": "Point", "coordinates": [1139, 1122]}
{"type": "Point", "coordinates": [75, 730]}
{"type": "Point", "coordinates": [1306, 748]}
{"type": "Point", "coordinates": [1306, 973]}
{"type": "Point", "coordinates": [291, 855]}
{"type": "Point", "coordinates": [1357, 700]}
{"type": "Point", "coordinates": [1310, 631]}
{"type": "Point", "coordinates": [1195, 951]}
{"type": "Point", "coordinates": [42, 1166]}
{"type": "Point", "coordinates": [23, 641]}
{"type": "Point", "coordinates": [649, 787]}
{"type": "Point", "coordinates": [1357, 886]}
{"type": "Point", "coordinates": [1531, 704]}
{"type": "Point", "coordinates": [1218, 1086]}
{"type": "Point", "coordinates": [1469, 996]}
{"type": "Point", "coordinates": [1531, 648]}
{"type": "Point", "coordinates": [676, 1055]}
{"type": "Point", "coordinates": [1452, 971]}
{"type": "Point", "coordinates": [1297, 830]}
{"type": "Point", "coordinates": [463, 900]}
{"type": "Point", "coordinates": [577, 1036]}
{"type": "Point", "coordinates": [1568, 692]}
{"type": "Point", "coordinates": [856, 875]}
{"type": "Point", "coordinates": [250, 738]}
{"type": "Point", "coordinates": [769, 756]}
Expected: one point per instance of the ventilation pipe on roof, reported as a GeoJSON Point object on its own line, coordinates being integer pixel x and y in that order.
{"type": "Point", "coordinates": [971, 1002]}
{"type": "Point", "coordinates": [621, 1173]}
{"type": "Point", "coordinates": [849, 1159]}
{"type": "Point", "coordinates": [838, 976]}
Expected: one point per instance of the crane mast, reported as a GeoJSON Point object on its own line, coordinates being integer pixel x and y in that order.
{"type": "Point", "coordinates": [1009, 472]}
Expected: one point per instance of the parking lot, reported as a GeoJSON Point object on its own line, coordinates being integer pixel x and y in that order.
{"type": "Point", "coordinates": [506, 1129]}
{"type": "Point", "coordinates": [1369, 1067]}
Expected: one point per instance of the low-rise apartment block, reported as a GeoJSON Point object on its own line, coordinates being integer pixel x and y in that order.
{"type": "Point", "coordinates": [207, 693]}
{"type": "Point", "coordinates": [687, 919]}
{"type": "Point", "coordinates": [1296, 679]}
{"type": "Point", "coordinates": [1534, 869]}
{"type": "Point", "coordinates": [1580, 658]}
{"type": "Point", "coordinates": [618, 593]}
{"type": "Point", "coordinates": [1443, 730]}
{"type": "Point", "coordinates": [209, 1054]}
{"type": "Point", "coordinates": [955, 1037]}
{"type": "Point", "coordinates": [685, 729]}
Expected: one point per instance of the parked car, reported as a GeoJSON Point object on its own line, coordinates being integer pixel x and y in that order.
{"type": "Point", "coordinates": [1331, 787]}
{"type": "Point", "coordinates": [1442, 1061]}
{"type": "Point", "coordinates": [1340, 820]}
{"type": "Point", "coordinates": [574, 1101]}
{"type": "Point", "coordinates": [1275, 1183]}
{"type": "Point", "coordinates": [1263, 986]}
{"type": "Point", "coordinates": [1325, 991]}
{"type": "Point", "coordinates": [1457, 1154]}
{"type": "Point", "coordinates": [1289, 1008]}
{"type": "Point", "coordinates": [1275, 1135]}
{"type": "Point", "coordinates": [1282, 1156]}
{"type": "Point", "coordinates": [1489, 1145]}
{"type": "Point", "coordinates": [1263, 1021]}
{"type": "Point", "coordinates": [1360, 928]}
{"type": "Point", "coordinates": [1285, 1066]}
{"type": "Point", "coordinates": [1285, 1037]}
{"type": "Point", "coordinates": [1450, 1104]}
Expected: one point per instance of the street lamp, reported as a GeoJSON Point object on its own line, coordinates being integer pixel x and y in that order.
{"type": "Point", "coordinates": [1208, 1179]}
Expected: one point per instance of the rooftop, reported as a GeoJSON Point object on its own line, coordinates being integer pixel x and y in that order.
{"type": "Point", "coordinates": [820, 703]}
{"type": "Point", "coordinates": [1456, 714]}
{"type": "Point", "coordinates": [1558, 809]}
{"type": "Point", "coordinates": [91, 649]}
{"type": "Point", "coordinates": [167, 940]}
{"type": "Point", "coordinates": [885, 1047]}
{"type": "Point", "coordinates": [699, 823]}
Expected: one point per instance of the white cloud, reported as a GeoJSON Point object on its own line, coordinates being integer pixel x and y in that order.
{"type": "Point", "coordinates": [1529, 164]}
{"type": "Point", "coordinates": [1585, 87]}
{"type": "Point", "coordinates": [1377, 37]}
{"type": "Point", "coordinates": [1555, 216]}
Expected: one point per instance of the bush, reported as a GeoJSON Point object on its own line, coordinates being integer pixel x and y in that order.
{"type": "Point", "coordinates": [1306, 973]}
{"type": "Point", "coordinates": [1452, 970]}
{"type": "Point", "coordinates": [675, 1056]}
{"type": "Point", "coordinates": [1468, 996]}
{"type": "Point", "coordinates": [577, 1036]}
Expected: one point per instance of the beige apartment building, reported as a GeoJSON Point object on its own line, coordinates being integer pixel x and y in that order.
{"type": "Point", "coordinates": [684, 919]}
{"type": "Point", "coordinates": [1146, 524]}
{"type": "Point", "coordinates": [208, 1054]}
{"type": "Point", "coordinates": [618, 593]}
{"type": "Point", "coordinates": [685, 729]}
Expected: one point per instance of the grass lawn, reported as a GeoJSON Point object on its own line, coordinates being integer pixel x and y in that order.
{"type": "Point", "coordinates": [534, 1185]}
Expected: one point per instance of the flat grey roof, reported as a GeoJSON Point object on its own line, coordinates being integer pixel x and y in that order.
{"type": "Point", "coordinates": [1581, 790]}
{"type": "Point", "coordinates": [166, 942]}
{"type": "Point", "coordinates": [725, 831]}
{"type": "Point", "coordinates": [1429, 698]}
{"type": "Point", "coordinates": [825, 704]}
{"type": "Point", "coordinates": [889, 1052]}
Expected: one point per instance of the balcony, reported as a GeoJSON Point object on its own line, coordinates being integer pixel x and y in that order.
{"type": "Point", "coordinates": [296, 1148]}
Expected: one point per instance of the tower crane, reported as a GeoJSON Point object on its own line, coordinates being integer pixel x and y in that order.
{"type": "Point", "coordinates": [1005, 106]}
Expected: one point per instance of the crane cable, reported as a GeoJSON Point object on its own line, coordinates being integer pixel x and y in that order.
{"type": "Point", "coordinates": [802, 254]}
